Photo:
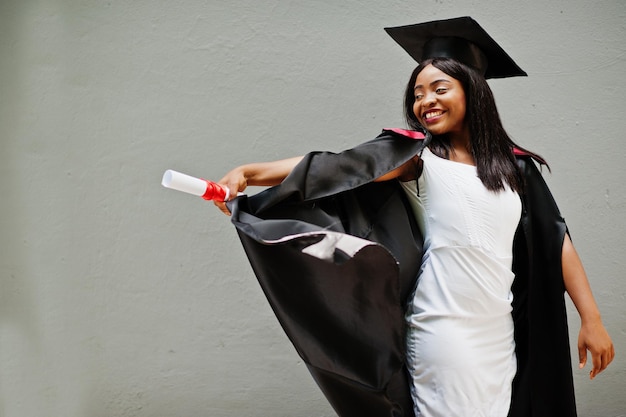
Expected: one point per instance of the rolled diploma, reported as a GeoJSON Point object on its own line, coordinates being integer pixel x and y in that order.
{"type": "Point", "coordinates": [188, 184]}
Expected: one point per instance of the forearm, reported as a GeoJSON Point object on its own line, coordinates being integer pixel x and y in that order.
{"type": "Point", "coordinates": [268, 173]}
{"type": "Point", "coordinates": [592, 337]}
{"type": "Point", "coordinates": [258, 173]}
{"type": "Point", "coordinates": [577, 284]}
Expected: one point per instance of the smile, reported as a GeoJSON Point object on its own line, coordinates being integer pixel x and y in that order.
{"type": "Point", "coordinates": [432, 114]}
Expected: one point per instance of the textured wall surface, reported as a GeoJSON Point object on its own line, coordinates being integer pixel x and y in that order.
{"type": "Point", "coordinates": [121, 298]}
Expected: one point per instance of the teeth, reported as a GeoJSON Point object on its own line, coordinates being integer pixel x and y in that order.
{"type": "Point", "coordinates": [433, 114]}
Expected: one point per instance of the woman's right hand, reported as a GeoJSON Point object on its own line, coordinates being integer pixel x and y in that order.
{"type": "Point", "coordinates": [236, 182]}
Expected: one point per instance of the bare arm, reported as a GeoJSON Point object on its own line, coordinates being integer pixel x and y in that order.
{"type": "Point", "coordinates": [258, 173]}
{"type": "Point", "coordinates": [592, 336]}
{"type": "Point", "coordinates": [273, 173]}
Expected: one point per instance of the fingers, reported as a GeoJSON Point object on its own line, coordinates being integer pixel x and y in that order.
{"type": "Point", "coordinates": [229, 195]}
{"type": "Point", "coordinates": [601, 360]}
{"type": "Point", "coordinates": [596, 360]}
{"type": "Point", "coordinates": [582, 356]}
{"type": "Point", "coordinates": [222, 206]}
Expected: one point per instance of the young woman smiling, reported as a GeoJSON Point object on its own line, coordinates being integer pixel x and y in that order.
{"type": "Point", "coordinates": [486, 333]}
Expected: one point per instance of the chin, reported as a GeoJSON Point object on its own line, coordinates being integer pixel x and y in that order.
{"type": "Point", "coordinates": [436, 132]}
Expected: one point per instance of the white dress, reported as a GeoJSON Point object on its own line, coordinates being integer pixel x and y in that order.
{"type": "Point", "coordinates": [460, 347]}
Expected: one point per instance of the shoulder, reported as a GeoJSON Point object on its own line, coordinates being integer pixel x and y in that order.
{"type": "Point", "coordinates": [393, 143]}
{"type": "Point", "coordinates": [522, 154]}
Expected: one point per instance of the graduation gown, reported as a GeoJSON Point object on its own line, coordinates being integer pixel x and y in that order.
{"type": "Point", "coordinates": [338, 255]}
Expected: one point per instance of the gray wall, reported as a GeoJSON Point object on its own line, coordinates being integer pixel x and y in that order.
{"type": "Point", "coordinates": [121, 298]}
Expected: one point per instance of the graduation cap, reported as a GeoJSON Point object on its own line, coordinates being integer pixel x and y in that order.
{"type": "Point", "coordinates": [462, 39]}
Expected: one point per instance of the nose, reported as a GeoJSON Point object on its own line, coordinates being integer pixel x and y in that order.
{"type": "Point", "coordinates": [429, 99]}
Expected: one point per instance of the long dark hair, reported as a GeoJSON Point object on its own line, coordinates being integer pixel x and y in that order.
{"type": "Point", "coordinates": [491, 146]}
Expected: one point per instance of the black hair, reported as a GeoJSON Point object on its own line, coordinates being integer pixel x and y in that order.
{"type": "Point", "coordinates": [491, 146]}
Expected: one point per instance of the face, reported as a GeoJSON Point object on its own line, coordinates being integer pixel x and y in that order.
{"type": "Point", "coordinates": [440, 102]}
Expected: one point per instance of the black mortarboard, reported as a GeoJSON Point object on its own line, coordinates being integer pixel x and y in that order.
{"type": "Point", "coordinates": [461, 38]}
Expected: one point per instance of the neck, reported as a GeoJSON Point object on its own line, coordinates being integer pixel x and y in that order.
{"type": "Point", "coordinates": [461, 148]}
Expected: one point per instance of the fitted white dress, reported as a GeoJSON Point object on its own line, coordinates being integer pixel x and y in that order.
{"type": "Point", "coordinates": [460, 347]}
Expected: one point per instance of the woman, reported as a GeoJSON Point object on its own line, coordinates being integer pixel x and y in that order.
{"type": "Point", "coordinates": [464, 189]}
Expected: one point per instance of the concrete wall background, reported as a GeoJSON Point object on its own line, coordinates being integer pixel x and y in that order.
{"type": "Point", "coordinates": [121, 298]}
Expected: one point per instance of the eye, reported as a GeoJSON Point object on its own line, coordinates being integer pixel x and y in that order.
{"type": "Point", "coordinates": [419, 97]}
{"type": "Point", "coordinates": [441, 90]}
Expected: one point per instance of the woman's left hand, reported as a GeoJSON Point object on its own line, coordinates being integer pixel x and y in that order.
{"type": "Point", "coordinates": [594, 338]}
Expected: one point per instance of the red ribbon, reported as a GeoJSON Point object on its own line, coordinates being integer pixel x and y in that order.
{"type": "Point", "coordinates": [214, 191]}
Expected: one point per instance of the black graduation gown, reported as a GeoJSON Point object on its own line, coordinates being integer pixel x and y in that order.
{"type": "Point", "coordinates": [338, 255]}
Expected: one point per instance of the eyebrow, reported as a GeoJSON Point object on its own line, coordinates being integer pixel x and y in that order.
{"type": "Point", "coordinates": [432, 83]}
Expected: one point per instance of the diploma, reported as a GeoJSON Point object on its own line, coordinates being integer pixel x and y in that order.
{"type": "Point", "coordinates": [206, 189]}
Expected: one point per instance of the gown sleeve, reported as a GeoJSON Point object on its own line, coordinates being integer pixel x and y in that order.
{"type": "Point", "coordinates": [543, 385]}
{"type": "Point", "coordinates": [337, 255]}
